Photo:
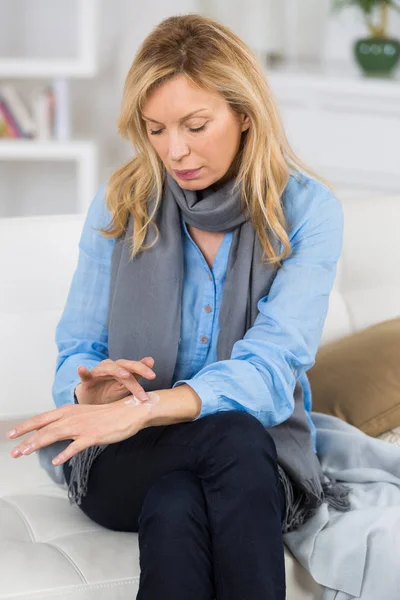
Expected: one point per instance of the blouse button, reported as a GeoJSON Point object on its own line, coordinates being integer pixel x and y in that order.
{"type": "Point", "coordinates": [210, 277]}
{"type": "Point", "coordinates": [208, 308]}
{"type": "Point", "coordinates": [204, 339]}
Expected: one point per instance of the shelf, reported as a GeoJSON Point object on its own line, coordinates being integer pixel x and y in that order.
{"type": "Point", "coordinates": [15, 68]}
{"type": "Point", "coordinates": [78, 59]}
{"type": "Point", "coordinates": [85, 63]}
{"type": "Point", "coordinates": [338, 78]}
{"type": "Point", "coordinates": [44, 150]}
{"type": "Point", "coordinates": [83, 153]}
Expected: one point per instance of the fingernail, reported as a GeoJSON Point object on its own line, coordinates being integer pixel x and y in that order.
{"type": "Point", "coordinates": [12, 432]}
{"type": "Point", "coordinates": [143, 396]}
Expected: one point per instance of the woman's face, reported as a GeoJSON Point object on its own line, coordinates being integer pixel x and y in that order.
{"type": "Point", "coordinates": [211, 149]}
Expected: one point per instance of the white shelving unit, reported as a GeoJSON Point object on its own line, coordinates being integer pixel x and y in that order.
{"type": "Point", "coordinates": [84, 66]}
{"type": "Point", "coordinates": [346, 126]}
{"type": "Point", "coordinates": [83, 153]}
{"type": "Point", "coordinates": [333, 79]}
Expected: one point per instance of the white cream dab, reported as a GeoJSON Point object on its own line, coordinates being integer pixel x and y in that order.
{"type": "Point", "coordinates": [154, 398]}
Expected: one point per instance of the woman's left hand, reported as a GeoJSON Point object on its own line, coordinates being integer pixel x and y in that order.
{"type": "Point", "coordinates": [87, 425]}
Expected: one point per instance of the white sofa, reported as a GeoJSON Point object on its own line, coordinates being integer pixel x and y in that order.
{"type": "Point", "coordinates": [48, 548]}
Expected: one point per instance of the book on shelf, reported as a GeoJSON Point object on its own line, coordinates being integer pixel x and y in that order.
{"type": "Point", "coordinates": [42, 109]}
{"type": "Point", "coordinates": [4, 131]}
{"type": "Point", "coordinates": [11, 127]}
{"type": "Point", "coordinates": [61, 121]}
{"type": "Point", "coordinates": [16, 113]}
{"type": "Point", "coordinates": [44, 117]}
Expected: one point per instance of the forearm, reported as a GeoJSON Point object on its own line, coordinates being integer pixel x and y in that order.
{"type": "Point", "coordinates": [176, 405]}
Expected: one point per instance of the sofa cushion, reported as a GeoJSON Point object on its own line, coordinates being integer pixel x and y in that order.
{"type": "Point", "coordinates": [357, 378]}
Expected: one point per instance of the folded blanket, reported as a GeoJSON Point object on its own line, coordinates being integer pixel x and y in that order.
{"type": "Point", "coordinates": [355, 554]}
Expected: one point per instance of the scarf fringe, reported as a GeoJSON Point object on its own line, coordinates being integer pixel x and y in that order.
{"type": "Point", "coordinates": [300, 507]}
{"type": "Point", "coordinates": [81, 464]}
{"type": "Point", "coordinates": [337, 494]}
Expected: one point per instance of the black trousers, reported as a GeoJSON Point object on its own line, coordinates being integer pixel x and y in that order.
{"type": "Point", "coordinates": [207, 503]}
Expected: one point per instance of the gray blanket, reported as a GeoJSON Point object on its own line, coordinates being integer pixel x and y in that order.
{"type": "Point", "coordinates": [354, 554]}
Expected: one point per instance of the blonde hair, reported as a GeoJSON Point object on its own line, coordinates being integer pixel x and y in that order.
{"type": "Point", "coordinates": [215, 59]}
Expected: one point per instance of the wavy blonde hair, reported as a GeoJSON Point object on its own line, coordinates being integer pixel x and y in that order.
{"type": "Point", "coordinates": [215, 59]}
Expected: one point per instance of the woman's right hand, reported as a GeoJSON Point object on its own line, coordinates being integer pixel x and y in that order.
{"type": "Point", "coordinates": [106, 382]}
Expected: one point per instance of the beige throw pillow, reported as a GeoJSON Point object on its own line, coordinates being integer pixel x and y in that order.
{"type": "Point", "coordinates": [357, 378]}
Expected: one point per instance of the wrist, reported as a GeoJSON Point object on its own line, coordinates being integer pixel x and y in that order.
{"type": "Point", "coordinates": [77, 400]}
{"type": "Point", "coordinates": [78, 396]}
{"type": "Point", "coordinates": [175, 405]}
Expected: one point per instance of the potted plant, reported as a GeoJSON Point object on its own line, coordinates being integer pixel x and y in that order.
{"type": "Point", "coordinates": [377, 54]}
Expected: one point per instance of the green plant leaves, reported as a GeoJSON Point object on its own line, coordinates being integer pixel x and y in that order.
{"type": "Point", "coordinates": [367, 6]}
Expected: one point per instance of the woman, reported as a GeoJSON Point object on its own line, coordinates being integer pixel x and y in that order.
{"type": "Point", "coordinates": [212, 285]}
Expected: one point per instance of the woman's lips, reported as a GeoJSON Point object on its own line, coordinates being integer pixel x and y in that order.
{"type": "Point", "coordinates": [188, 174]}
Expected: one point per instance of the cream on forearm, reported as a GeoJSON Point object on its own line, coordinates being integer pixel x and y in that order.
{"type": "Point", "coordinates": [153, 399]}
{"type": "Point", "coordinates": [168, 406]}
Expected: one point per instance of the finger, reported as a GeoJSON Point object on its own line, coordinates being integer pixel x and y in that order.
{"type": "Point", "coordinates": [137, 367]}
{"type": "Point", "coordinates": [84, 374]}
{"type": "Point", "coordinates": [37, 422]}
{"type": "Point", "coordinates": [33, 443]}
{"type": "Point", "coordinates": [24, 448]}
{"type": "Point", "coordinates": [117, 370]}
{"type": "Point", "coordinates": [128, 367]}
{"type": "Point", "coordinates": [148, 360]}
{"type": "Point", "coordinates": [132, 385]}
{"type": "Point", "coordinates": [72, 449]}
{"type": "Point", "coordinates": [62, 430]}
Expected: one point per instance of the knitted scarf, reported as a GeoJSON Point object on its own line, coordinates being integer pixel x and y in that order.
{"type": "Point", "coordinates": [144, 319]}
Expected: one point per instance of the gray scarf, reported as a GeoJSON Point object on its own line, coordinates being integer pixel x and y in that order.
{"type": "Point", "coordinates": [144, 319]}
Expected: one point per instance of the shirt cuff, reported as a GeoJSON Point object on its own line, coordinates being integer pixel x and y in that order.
{"type": "Point", "coordinates": [209, 399]}
{"type": "Point", "coordinates": [71, 395]}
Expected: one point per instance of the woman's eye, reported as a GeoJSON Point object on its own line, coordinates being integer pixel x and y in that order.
{"type": "Point", "coordinates": [158, 131]}
{"type": "Point", "coordinates": [198, 129]}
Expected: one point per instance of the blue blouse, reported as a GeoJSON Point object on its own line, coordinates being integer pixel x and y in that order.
{"type": "Point", "coordinates": [261, 373]}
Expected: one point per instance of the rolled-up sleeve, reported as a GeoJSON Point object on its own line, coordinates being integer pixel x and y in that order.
{"type": "Point", "coordinates": [261, 374]}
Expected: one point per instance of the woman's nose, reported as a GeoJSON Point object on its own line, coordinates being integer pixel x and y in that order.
{"type": "Point", "coordinates": [177, 148]}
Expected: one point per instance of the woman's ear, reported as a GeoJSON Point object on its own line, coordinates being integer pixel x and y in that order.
{"type": "Point", "coordinates": [245, 122]}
